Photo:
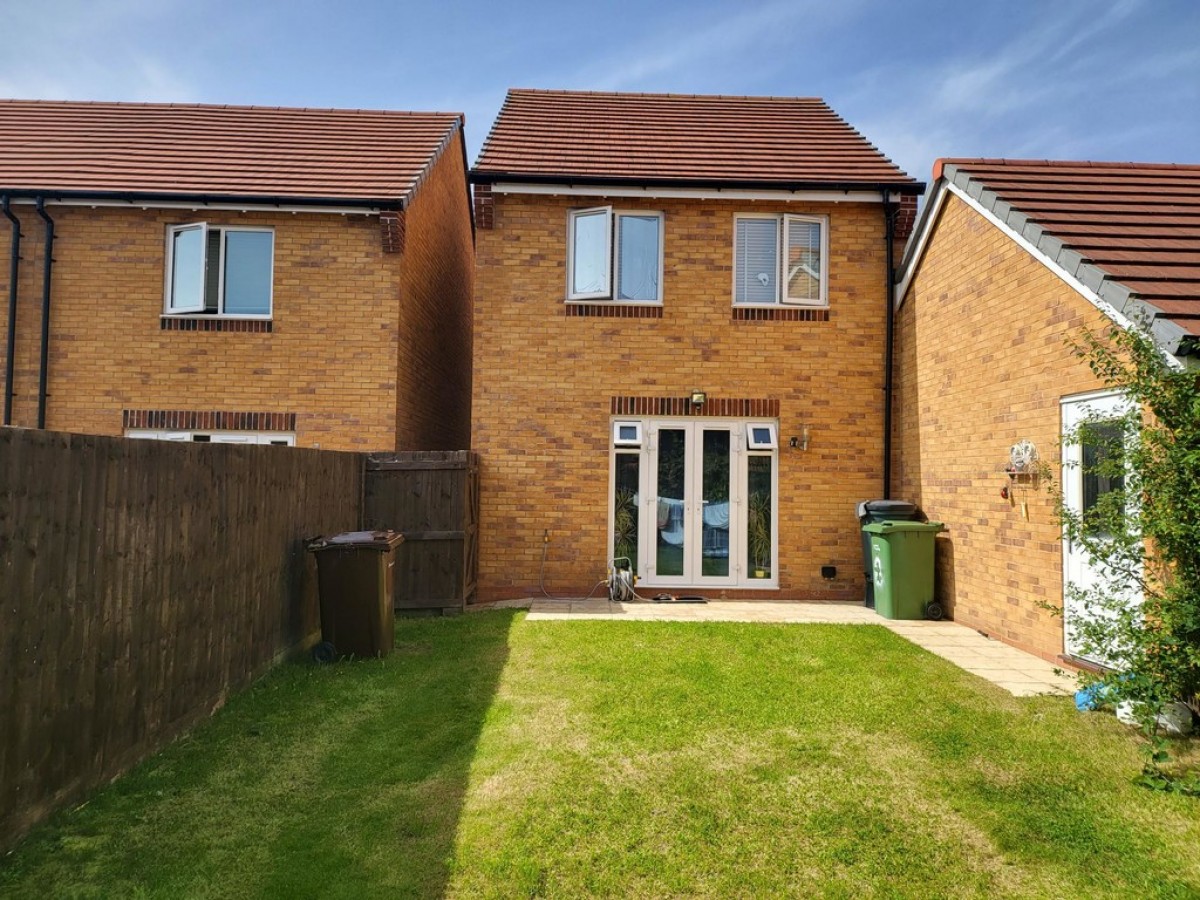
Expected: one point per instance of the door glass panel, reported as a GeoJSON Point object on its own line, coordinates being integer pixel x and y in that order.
{"type": "Point", "coordinates": [715, 497]}
{"type": "Point", "coordinates": [625, 509]}
{"type": "Point", "coordinates": [1101, 459]}
{"type": "Point", "coordinates": [670, 519]}
{"type": "Point", "coordinates": [759, 516]}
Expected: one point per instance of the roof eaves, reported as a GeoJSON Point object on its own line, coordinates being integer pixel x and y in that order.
{"type": "Point", "coordinates": [489, 176]}
{"type": "Point", "coordinates": [135, 197]}
{"type": "Point", "coordinates": [1170, 336]}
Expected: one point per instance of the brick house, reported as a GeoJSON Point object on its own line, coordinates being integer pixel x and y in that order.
{"type": "Point", "coordinates": [1009, 260]}
{"type": "Point", "coordinates": [681, 314]}
{"type": "Point", "coordinates": [236, 273]}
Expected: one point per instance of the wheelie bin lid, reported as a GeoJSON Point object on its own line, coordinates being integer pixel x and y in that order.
{"type": "Point", "coordinates": [358, 540]}
{"type": "Point", "coordinates": [896, 508]}
{"type": "Point", "coordinates": [891, 527]}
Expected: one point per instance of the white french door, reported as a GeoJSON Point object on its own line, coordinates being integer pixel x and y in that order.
{"type": "Point", "coordinates": [693, 505]}
{"type": "Point", "coordinates": [704, 513]}
{"type": "Point", "coordinates": [1082, 489]}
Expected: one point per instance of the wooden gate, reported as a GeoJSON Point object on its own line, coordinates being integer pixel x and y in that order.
{"type": "Point", "coordinates": [433, 498]}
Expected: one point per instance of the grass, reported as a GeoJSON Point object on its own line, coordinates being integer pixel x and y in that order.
{"type": "Point", "coordinates": [494, 757]}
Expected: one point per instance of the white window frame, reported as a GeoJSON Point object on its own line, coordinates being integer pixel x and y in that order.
{"type": "Point", "coordinates": [169, 275]}
{"type": "Point", "coordinates": [619, 441]}
{"type": "Point", "coordinates": [781, 274]}
{"type": "Point", "coordinates": [201, 309]}
{"type": "Point", "coordinates": [282, 438]}
{"type": "Point", "coordinates": [612, 243]}
{"type": "Point", "coordinates": [574, 216]}
{"type": "Point", "coordinates": [772, 442]}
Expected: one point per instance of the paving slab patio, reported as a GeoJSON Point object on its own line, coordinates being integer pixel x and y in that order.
{"type": "Point", "coordinates": [1016, 671]}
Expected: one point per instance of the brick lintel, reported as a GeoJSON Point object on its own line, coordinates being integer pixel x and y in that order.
{"type": "Point", "coordinates": [722, 407]}
{"type": "Point", "coordinates": [208, 420]}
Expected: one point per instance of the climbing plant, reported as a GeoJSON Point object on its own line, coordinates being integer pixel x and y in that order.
{"type": "Point", "coordinates": [1142, 535]}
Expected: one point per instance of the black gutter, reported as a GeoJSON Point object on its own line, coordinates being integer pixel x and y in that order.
{"type": "Point", "coordinates": [14, 269]}
{"type": "Point", "coordinates": [134, 198]}
{"type": "Point", "coordinates": [889, 217]}
{"type": "Point", "coordinates": [44, 363]}
{"type": "Point", "coordinates": [479, 176]}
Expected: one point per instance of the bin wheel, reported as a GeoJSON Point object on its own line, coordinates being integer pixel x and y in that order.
{"type": "Point", "coordinates": [934, 611]}
{"type": "Point", "coordinates": [324, 652]}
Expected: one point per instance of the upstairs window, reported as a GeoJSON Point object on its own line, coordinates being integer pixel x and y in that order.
{"type": "Point", "coordinates": [219, 271]}
{"type": "Point", "coordinates": [614, 256]}
{"type": "Point", "coordinates": [780, 259]}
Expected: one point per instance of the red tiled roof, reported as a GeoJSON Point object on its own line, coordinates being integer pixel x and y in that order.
{"type": "Point", "coordinates": [558, 136]}
{"type": "Point", "coordinates": [242, 151]}
{"type": "Point", "coordinates": [1138, 223]}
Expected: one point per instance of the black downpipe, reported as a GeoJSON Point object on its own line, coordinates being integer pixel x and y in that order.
{"type": "Point", "coordinates": [889, 215]}
{"type": "Point", "coordinates": [14, 269]}
{"type": "Point", "coordinates": [44, 363]}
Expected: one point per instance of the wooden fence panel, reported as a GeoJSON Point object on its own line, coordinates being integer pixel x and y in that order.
{"type": "Point", "coordinates": [433, 498]}
{"type": "Point", "coordinates": [140, 584]}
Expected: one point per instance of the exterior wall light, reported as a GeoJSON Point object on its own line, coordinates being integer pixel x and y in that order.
{"type": "Point", "coordinates": [698, 398]}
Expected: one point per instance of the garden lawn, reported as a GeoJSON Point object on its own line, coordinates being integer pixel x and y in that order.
{"type": "Point", "coordinates": [494, 757]}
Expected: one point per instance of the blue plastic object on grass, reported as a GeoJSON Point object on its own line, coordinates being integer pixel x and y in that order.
{"type": "Point", "coordinates": [1090, 698]}
{"type": "Point", "coordinates": [1096, 695]}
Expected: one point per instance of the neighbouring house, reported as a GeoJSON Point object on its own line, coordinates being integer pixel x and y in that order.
{"type": "Point", "coordinates": [1009, 262]}
{"type": "Point", "coordinates": [222, 273]}
{"type": "Point", "coordinates": [681, 317]}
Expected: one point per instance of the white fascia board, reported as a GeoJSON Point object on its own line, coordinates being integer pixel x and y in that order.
{"type": "Point", "coordinates": [625, 190]}
{"type": "Point", "coordinates": [919, 239]}
{"type": "Point", "coordinates": [234, 207]}
{"type": "Point", "coordinates": [1066, 277]}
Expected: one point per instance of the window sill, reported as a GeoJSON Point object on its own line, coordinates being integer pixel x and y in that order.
{"type": "Point", "coordinates": [609, 309]}
{"type": "Point", "coordinates": [744, 312]}
{"type": "Point", "coordinates": [216, 323]}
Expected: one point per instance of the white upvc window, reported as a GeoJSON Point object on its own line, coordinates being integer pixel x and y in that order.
{"type": "Point", "coordinates": [780, 259]}
{"type": "Point", "coordinates": [280, 438]}
{"type": "Point", "coordinates": [627, 433]}
{"type": "Point", "coordinates": [219, 270]}
{"type": "Point", "coordinates": [761, 436]}
{"type": "Point", "coordinates": [615, 255]}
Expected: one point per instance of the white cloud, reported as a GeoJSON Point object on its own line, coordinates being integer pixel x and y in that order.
{"type": "Point", "coordinates": [737, 41]}
{"type": "Point", "coordinates": [90, 51]}
{"type": "Point", "coordinates": [1079, 81]}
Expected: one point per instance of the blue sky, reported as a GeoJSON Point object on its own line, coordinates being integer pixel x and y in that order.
{"type": "Point", "coordinates": [1068, 79]}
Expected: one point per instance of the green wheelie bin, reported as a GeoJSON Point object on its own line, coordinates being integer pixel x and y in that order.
{"type": "Point", "coordinates": [902, 568]}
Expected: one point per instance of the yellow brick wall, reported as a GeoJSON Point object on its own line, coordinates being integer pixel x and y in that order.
{"type": "Point", "coordinates": [543, 383]}
{"type": "Point", "coordinates": [332, 357]}
{"type": "Point", "coordinates": [436, 287]}
{"type": "Point", "coordinates": [982, 363]}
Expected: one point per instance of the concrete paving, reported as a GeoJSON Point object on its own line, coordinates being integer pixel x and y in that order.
{"type": "Point", "coordinates": [1019, 673]}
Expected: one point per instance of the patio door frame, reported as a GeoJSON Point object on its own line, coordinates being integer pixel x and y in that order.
{"type": "Point", "coordinates": [692, 576]}
{"type": "Point", "coordinates": [693, 503]}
